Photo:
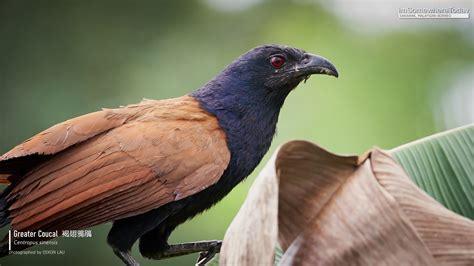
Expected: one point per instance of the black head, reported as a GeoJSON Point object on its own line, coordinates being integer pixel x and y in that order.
{"type": "Point", "coordinates": [259, 80]}
{"type": "Point", "coordinates": [264, 75]}
{"type": "Point", "coordinates": [279, 67]}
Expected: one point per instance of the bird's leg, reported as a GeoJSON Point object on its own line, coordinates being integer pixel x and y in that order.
{"type": "Point", "coordinates": [126, 257]}
{"type": "Point", "coordinates": [206, 256]}
{"type": "Point", "coordinates": [208, 250]}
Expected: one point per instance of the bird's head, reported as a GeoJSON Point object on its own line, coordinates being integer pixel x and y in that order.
{"type": "Point", "coordinates": [278, 67]}
{"type": "Point", "coordinates": [265, 74]}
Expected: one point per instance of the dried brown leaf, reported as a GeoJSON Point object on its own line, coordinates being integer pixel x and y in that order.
{"type": "Point", "coordinates": [343, 210]}
{"type": "Point", "coordinates": [252, 235]}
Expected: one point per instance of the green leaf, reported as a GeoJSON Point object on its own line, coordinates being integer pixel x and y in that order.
{"type": "Point", "coordinates": [278, 255]}
{"type": "Point", "coordinates": [442, 165]}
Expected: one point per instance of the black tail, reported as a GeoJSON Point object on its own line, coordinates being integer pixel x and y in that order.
{"type": "Point", "coordinates": [4, 248]}
{"type": "Point", "coordinates": [4, 213]}
{"type": "Point", "coordinates": [4, 220]}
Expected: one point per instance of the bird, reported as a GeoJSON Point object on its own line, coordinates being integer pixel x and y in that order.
{"type": "Point", "coordinates": [149, 167]}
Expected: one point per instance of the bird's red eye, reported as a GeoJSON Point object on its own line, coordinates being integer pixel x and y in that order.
{"type": "Point", "coordinates": [277, 61]}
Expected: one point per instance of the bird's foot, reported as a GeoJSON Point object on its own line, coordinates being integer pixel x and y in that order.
{"type": "Point", "coordinates": [206, 256]}
{"type": "Point", "coordinates": [208, 250]}
{"type": "Point", "coordinates": [126, 257]}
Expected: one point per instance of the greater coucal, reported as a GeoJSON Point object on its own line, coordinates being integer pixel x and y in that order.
{"type": "Point", "coordinates": [149, 167]}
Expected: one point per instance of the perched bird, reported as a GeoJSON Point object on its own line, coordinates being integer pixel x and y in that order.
{"type": "Point", "coordinates": [149, 167]}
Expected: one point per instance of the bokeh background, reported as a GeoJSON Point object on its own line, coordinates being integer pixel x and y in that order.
{"type": "Point", "coordinates": [399, 80]}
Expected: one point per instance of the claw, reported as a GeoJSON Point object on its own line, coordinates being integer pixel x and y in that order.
{"type": "Point", "coordinates": [306, 78]}
{"type": "Point", "coordinates": [126, 257]}
{"type": "Point", "coordinates": [206, 256]}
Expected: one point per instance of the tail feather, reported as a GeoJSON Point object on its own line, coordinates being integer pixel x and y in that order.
{"type": "Point", "coordinates": [4, 213]}
{"type": "Point", "coordinates": [4, 250]}
{"type": "Point", "coordinates": [4, 220]}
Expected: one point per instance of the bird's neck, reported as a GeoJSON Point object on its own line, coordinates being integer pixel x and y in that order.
{"type": "Point", "coordinates": [248, 115]}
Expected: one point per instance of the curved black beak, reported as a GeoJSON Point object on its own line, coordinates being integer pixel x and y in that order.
{"type": "Point", "coordinates": [315, 64]}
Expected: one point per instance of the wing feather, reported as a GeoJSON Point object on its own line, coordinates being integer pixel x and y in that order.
{"type": "Point", "coordinates": [173, 150]}
{"type": "Point", "coordinates": [40, 148]}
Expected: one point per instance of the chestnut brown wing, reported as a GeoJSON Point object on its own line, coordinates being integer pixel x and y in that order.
{"type": "Point", "coordinates": [172, 151]}
{"type": "Point", "coordinates": [61, 136]}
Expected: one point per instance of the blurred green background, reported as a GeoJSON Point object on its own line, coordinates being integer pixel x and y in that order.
{"type": "Point", "coordinates": [399, 80]}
